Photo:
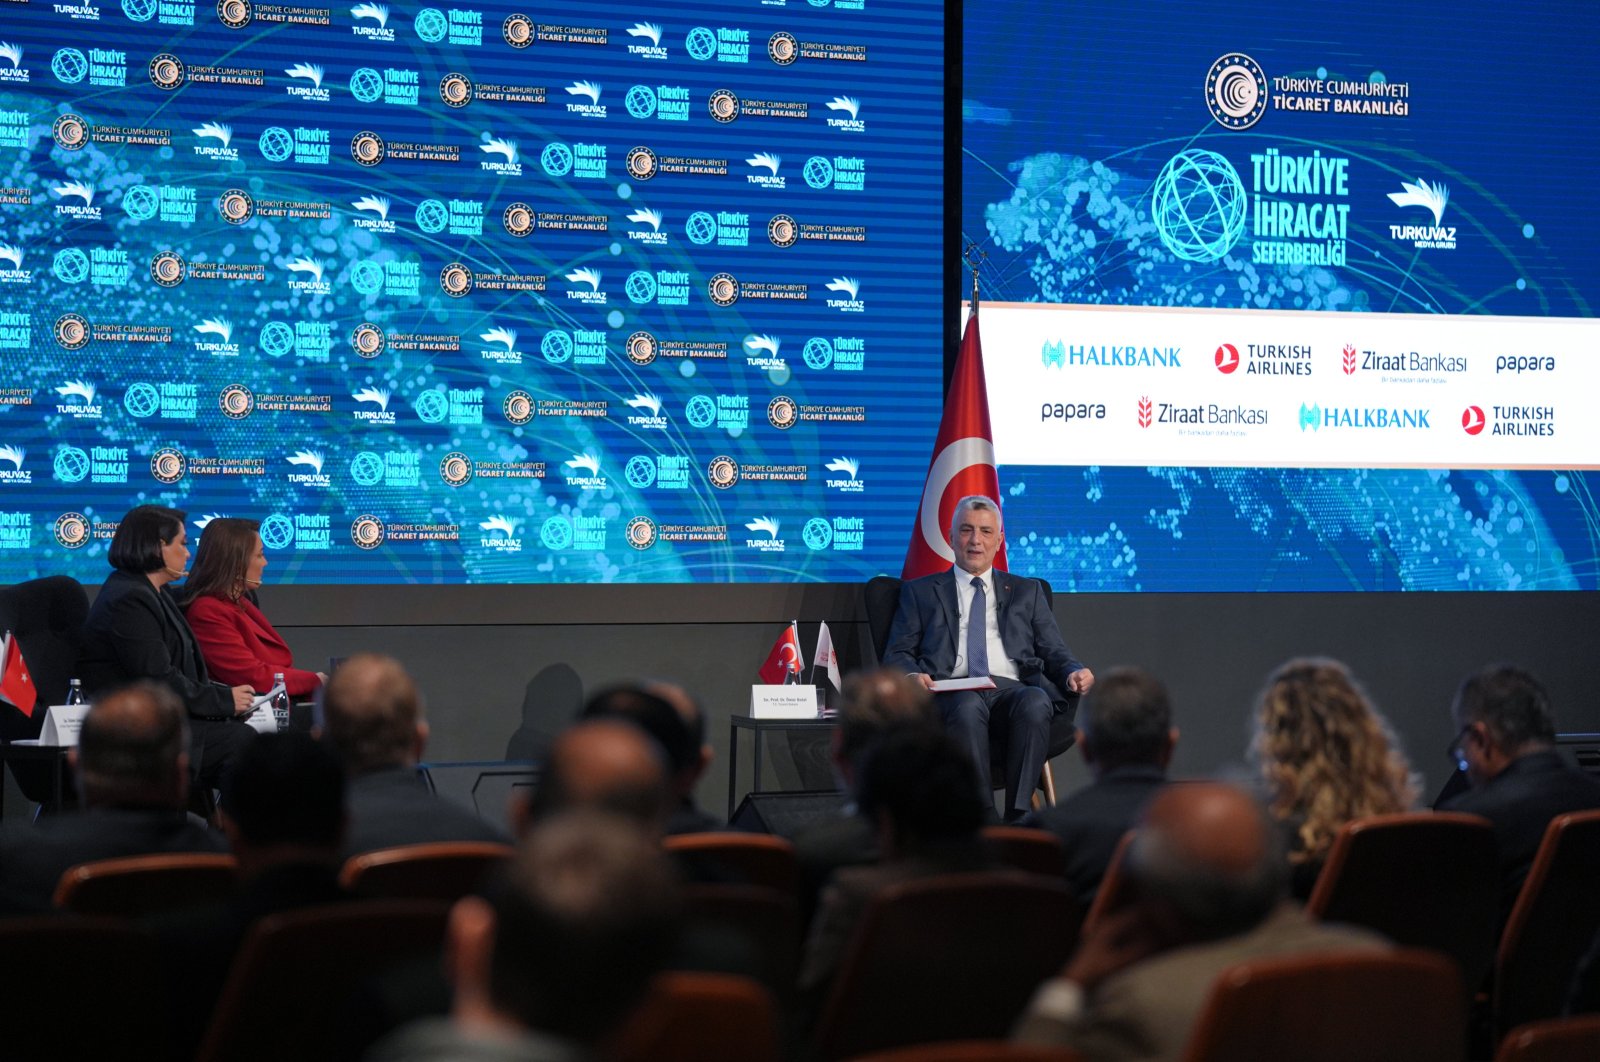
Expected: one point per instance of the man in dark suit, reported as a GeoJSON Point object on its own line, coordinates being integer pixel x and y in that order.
{"type": "Point", "coordinates": [1126, 736]}
{"type": "Point", "coordinates": [973, 621]}
{"type": "Point", "coordinates": [1505, 742]}
{"type": "Point", "coordinates": [372, 717]}
{"type": "Point", "coordinates": [133, 771]}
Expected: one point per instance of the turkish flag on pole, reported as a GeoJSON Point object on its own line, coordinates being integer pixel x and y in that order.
{"type": "Point", "coordinates": [784, 658]}
{"type": "Point", "coordinates": [16, 685]}
{"type": "Point", "coordinates": [963, 462]}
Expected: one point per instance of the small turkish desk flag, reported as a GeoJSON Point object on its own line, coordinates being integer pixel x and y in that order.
{"type": "Point", "coordinates": [784, 658]}
{"type": "Point", "coordinates": [16, 684]}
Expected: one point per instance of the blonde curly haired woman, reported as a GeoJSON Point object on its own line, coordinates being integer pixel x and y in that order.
{"type": "Point", "coordinates": [1326, 757]}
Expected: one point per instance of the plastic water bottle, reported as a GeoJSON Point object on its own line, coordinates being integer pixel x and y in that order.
{"type": "Point", "coordinates": [75, 692]}
{"type": "Point", "coordinates": [280, 702]}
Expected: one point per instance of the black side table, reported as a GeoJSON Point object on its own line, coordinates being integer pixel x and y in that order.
{"type": "Point", "coordinates": [758, 728]}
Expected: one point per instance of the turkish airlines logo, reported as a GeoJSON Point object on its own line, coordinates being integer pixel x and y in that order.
{"type": "Point", "coordinates": [1472, 420]}
{"type": "Point", "coordinates": [1349, 362]}
{"type": "Point", "coordinates": [1144, 411]}
{"type": "Point", "coordinates": [1227, 359]}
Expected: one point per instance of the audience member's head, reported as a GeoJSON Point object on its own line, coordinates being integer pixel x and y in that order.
{"type": "Point", "coordinates": [1326, 755]}
{"type": "Point", "coordinates": [1205, 863]}
{"type": "Point", "coordinates": [875, 702]}
{"type": "Point", "coordinates": [669, 715]}
{"type": "Point", "coordinates": [570, 935]}
{"type": "Point", "coordinates": [608, 765]}
{"type": "Point", "coordinates": [920, 788]}
{"type": "Point", "coordinates": [133, 751]}
{"type": "Point", "coordinates": [1501, 713]}
{"type": "Point", "coordinates": [1126, 722]}
{"type": "Point", "coordinates": [372, 715]}
{"type": "Point", "coordinates": [284, 801]}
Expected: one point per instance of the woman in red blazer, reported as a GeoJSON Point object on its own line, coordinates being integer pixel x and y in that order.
{"type": "Point", "coordinates": [238, 644]}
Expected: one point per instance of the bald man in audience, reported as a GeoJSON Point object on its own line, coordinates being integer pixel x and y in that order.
{"type": "Point", "coordinates": [1210, 883]}
{"type": "Point", "coordinates": [133, 772]}
{"type": "Point", "coordinates": [607, 765]}
{"type": "Point", "coordinates": [551, 961]}
{"type": "Point", "coordinates": [372, 719]}
{"type": "Point", "coordinates": [669, 715]}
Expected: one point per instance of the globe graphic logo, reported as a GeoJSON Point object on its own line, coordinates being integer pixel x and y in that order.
{"type": "Point", "coordinates": [71, 464]}
{"type": "Point", "coordinates": [1198, 205]}
{"type": "Point", "coordinates": [277, 532]}
{"type": "Point", "coordinates": [277, 339]}
{"type": "Point", "coordinates": [432, 405]}
{"type": "Point", "coordinates": [431, 25]}
{"type": "Point", "coordinates": [556, 533]}
{"type": "Point", "coordinates": [818, 172]}
{"type": "Point", "coordinates": [139, 10]}
{"type": "Point", "coordinates": [142, 400]}
{"type": "Point", "coordinates": [819, 3]}
{"type": "Point", "coordinates": [367, 277]}
{"type": "Point", "coordinates": [140, 202]}
{"type": "Point", "coordinates": [556, 347]}
{"type": "Point", "coordinates": [69, 65]}
{"type": "Point", "coordinates": [817, 533]}
{"type": "Point", "coordinates": [641, 287]}
{"type": "Point", "coordinates": [701, 227]}
{"type": "Point", "coordinates": [641, 101]}
{"type": "Point", "coordinates": [818, 353]}
{"type": "Point", "coordinates": [366, 468]}
{"type": "Point", "coordinates": [701, 43]}
{"type": "Point", "coordinates": [275, 143]}
{"type": "Point", "coordinates": [640, 470]}
{"type": "Point", "coordinates": [556, 160]}
{"type": "Point", "coordinates": [366, 85]}
{"type": "Point", "coordinates": [432, 215]}
{"type": "Point", "coordinates": [71, 266]}
{"type": "Point", "coordinates": [701, 411]}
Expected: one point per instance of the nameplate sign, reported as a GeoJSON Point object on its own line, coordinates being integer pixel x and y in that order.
{"type": "Point", "coordinates": [783, 702]}
{"type": "Point", "coordinates": [62, 723]}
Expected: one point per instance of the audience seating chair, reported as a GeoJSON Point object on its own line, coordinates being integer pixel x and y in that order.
{"type": "Point", "coordinates": [296, 974]}
{"type": "Point", "coordinates": [696, 1017]}
{"type": "Point", "coordinates": [951, 957]}
{"type": "Point", "coordinates": [1575, 1039]}
{"type": "Point", "coordinates": [739, 858]}
{"type": "Point", "coordinates": [150, 884]}
{"type": "Point", "coordinates": [79, 989]}
{"type": "Point", "coordinates": [1398, 1006]}
{"type": "Point", "coordinates": [753, 926]}
{"type": "Point", "coordinates": [1552, 924]}
{"type": "Point", "coordinates": [882, 600]}
{"type": "Point", "coordinates": [1034, 851]}
{"type": "Point", "coordinates": [1114, 892]}
{"type": "Point", "coordinates": [1423, 879]}
{"type": "Point", "coordinates": [973, 1051]}
{"type": "Point", "coordinates": [445, 870]}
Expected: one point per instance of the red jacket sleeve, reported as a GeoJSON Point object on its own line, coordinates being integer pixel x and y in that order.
{"type": "Point", "coordinates": [242, 649]}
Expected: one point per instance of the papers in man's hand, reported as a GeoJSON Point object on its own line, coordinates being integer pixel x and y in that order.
{"type": "Point", "coordinates": [263, 699]}
{"type": "Point", "coordinates": [261, 718]}
{"type": "Point", "coordinates": [982, 682]}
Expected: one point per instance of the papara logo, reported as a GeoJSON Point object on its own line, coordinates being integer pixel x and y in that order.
{"type": "Point", "coordinates": [1431, 197]}
{"type": "Point", "coordinates": [1472, 420]}
{"type": "Point", "coordinates": [307, 71]}
{"type": "Point", "coordinates": [764, 160]}
{"type": "Point", "coordinates": [1347, 360]}
{"type": "Point", "coordinates": [376, 395]}
{"type": "Point", "coordinates": [1145, 411]}
{"type": "Point", "coordinates": [215, 327]}
{"type": "Point", "coordinates": [648, 30]}
{"type": "Point", "coordinates": [1227, 359]}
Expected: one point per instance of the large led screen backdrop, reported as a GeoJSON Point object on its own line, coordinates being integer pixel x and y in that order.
{"type": "Point", "coordinates": [473, 292]}
{"type": "Point", "coordinates": [1290, 297]}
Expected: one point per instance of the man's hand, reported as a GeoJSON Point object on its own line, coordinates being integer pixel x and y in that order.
{"type": "Point", "coordinates": [1118, 940]}
{"type": "Point", "coordinates": [926, 680]}
{"type": "Point", "coordinates": [242, 696]}
{"type": "Point", "coordinates": [1080, 681]}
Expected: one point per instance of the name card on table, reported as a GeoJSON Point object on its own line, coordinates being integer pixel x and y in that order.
{"type": "Point", "coordinates": [783, 702]}
{"type": "Point", "coordinates": [62, 723]}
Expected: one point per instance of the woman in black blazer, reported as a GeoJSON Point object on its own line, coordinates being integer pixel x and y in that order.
{"type": "Point", "coordinates": [136, 631]}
